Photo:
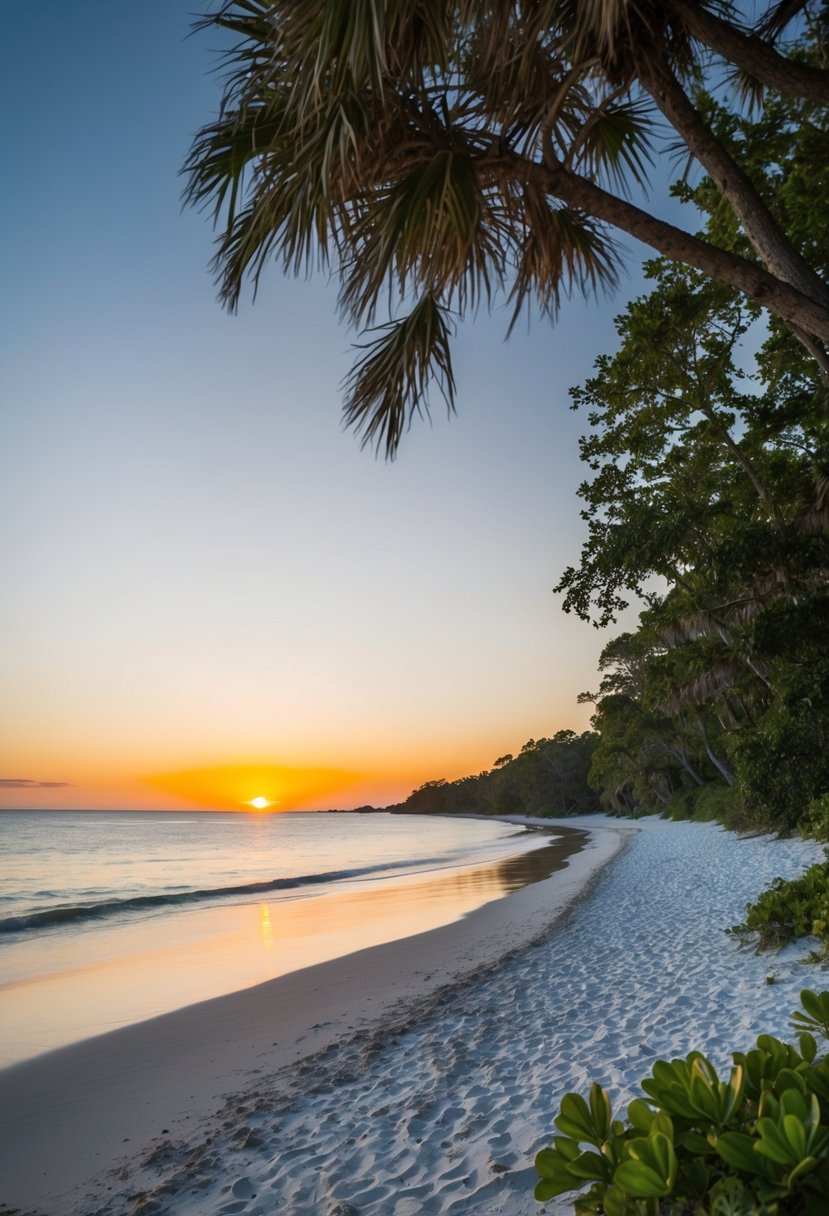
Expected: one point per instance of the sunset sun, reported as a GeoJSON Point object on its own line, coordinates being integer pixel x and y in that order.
{"type": "Point", "coordinates": [260, 803]}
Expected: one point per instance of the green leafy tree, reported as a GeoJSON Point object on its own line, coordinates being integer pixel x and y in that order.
{"type": "Point", "coordinates": [711, 480]}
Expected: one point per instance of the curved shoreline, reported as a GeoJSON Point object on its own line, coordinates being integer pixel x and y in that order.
{"type": "Point", "coordinates": [58, 991]}
{"type": "Point", "coordinates": [71, 1115]}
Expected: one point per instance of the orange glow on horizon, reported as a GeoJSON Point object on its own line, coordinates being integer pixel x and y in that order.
{"type": "Point", "coordinates": [262, 788]}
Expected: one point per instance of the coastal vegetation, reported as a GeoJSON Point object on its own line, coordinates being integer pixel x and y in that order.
{"type": "Point", "coordinates": [547, 777]}
{"type": "Point", "coordinates": [756, 1143]}
{"type": "Point", "coordinates": [708, 501]}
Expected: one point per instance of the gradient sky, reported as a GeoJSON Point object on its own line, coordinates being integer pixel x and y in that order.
{"type": "Point", "coordinates": [210, 591]}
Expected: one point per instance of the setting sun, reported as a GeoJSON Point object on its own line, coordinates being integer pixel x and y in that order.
{"type": "Point", "coordinates": [236, 787]}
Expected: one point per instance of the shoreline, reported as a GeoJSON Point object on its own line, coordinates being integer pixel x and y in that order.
{"type": "Point", "coordinates": [70, 1115]}
{"type": "Point", "coordinates": [108, 977]}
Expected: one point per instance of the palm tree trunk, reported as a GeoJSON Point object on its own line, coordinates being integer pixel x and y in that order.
{"type": "Point", "coordinates": [771, 293]}
{"type": "Point", "coordinates": [761, 228]}
{"type": "Point", "coordinates": [753, 55]}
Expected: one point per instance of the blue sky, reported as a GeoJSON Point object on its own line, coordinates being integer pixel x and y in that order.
{"type": "Point", "coordinates": [202, 567]}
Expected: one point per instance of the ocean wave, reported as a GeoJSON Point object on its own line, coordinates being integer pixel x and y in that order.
{"type": "Point", "coordinates": [67, 914]}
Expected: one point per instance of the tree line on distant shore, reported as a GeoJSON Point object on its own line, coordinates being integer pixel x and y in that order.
{"type": "Point", "coordinates": [548, 777]}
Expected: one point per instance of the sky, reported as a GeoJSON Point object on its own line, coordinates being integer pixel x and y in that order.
{"type": "Point", "coordinates": [211, 592]}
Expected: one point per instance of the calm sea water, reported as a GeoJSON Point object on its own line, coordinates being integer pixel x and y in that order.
{"type": "Point", "coordinates": [108, 918]}
{"type": "Point", "coordinates": [61, 869]}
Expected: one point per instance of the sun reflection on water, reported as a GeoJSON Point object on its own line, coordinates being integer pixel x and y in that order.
{"type": "Point", "coordinates": [265, 926]}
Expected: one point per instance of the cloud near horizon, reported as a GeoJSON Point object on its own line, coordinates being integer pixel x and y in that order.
{"type": "Point", "coordinates": [25, 783]}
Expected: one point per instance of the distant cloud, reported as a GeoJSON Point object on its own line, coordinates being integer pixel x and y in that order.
{"type": "Point", "coordinates": [23, 783]}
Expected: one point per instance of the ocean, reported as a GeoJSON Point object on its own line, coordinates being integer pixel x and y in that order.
{"type": "Point", "coordinates": [108, 918]}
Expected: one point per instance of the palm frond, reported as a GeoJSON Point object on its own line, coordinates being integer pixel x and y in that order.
{"type": "Point", "coordinates": [222, 153]}
{"type": "Point", "coordinates": [562, 248]}
{"type": "Point", "coordinates": [427, 230]}
{"type": "Point", "coordinates": [246, 66]}
{"type": "Point", "coordinates": [773, 22]}
{"type": "Point", "coordinates": [388, 385]}
{"type": "Point", "coordinates": [614, 142]}
{"type": "Point", "coordinates": [288, 221]}
{"type": "Point", "coordinates": [335, 44]}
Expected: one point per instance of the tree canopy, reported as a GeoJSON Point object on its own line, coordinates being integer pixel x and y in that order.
{"type": "Point", "coordinates": [436, 155]}
{"type": "Point", "coordinates": [708, 496]}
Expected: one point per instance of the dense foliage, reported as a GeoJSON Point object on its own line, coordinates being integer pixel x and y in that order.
{"type": "Point", "coordinates": [701, 1146]}
{"type": "Point", "coordinates": [708, 497]}
{"type": "Point", "coordinates": [548, 777]}
{"type": "Point", "coordinates": [790, 909]}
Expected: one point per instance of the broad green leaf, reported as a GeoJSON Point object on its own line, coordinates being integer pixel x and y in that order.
{"type": "Point", "coordinates": [794, 1131]}
{"type": "Point", "coordinates": [545, 1190]}
{"type": "Point", "coordinates": [615, 1202]}
{"type": "Point", "coordinates": [566, 1148]}
{"type": "Point", "coordinates": [773, 1144]}
{"type": "Point", "coordinates": [656, 1153]}
{"type": "Point", "coordinates": [737, 1150]}
{"type": "Point", "coordinates": [788, 1079]}
{"type": "Point", "coordinates": [575, 1120]}
{"type": "Point", "coordinates": [816, 1016]}
{"type": "Point", "coordinates": [600, 1110]}
{"type": "Point", "coordinates": [694, 1143]}
{"type": "Point", "coordinates": [803, 1167]}
{"type": "Point", "coordinates": [640, 1180]}
{"type": "Point", "coordinates": [794, 1103]}
{"type": "Point", "coordinates": [808, 1046]}
{"type": "Point", "coordinates": [590, 1167]}
{"type": "Point", "coordinates": [641, 1115]}
{"type": "Point", "coordinates": [555, 1174]}
{"type": "Point", "coordinates": [736, 1090]}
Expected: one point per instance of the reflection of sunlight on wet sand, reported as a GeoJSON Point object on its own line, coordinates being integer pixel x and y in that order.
{"type": "Point", "coordinates": [211, 951]}
{"type": "Point", "coordinates": [265, 928]}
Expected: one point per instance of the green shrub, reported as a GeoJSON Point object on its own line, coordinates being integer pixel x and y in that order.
{"type": "Point", "coordinates": [789, 909]}
{"type": "Point", "coordinates": [783, 762]}
{"type": "Point", "coordinates": [717, 803]}
{"type": "Point", "coordinates": [680, 805]}
{"type": "Point", "coordinates": [754, 1145]}
{"type": "Point", "coordinates": [814, 824]}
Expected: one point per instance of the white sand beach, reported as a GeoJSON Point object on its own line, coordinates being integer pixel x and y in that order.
{"type": "Point", "coordinates": [420, 1076]}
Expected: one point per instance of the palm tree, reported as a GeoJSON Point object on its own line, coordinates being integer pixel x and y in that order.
{"type": "Point", "coordinates": [436, 155]}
